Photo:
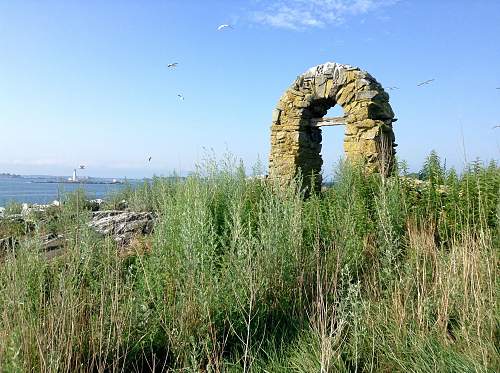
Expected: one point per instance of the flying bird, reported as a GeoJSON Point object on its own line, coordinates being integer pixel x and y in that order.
{"type": "Point", "coordinates": [391, 88]}
{"type": "Point", "coordinates": [172, 65]}
{"type": "Point", "coordinates": [82, 167]}
{"type": "Point", "coordinates": [222, 27]}
{"type": "Point", "coordinates": [426, 82]}
{"type": "Point", "coordinates": [149, 159]}
{"type": "Point", "coordinates": [181, 97]}
{"type": "Point", "coordinates": [497, 126]}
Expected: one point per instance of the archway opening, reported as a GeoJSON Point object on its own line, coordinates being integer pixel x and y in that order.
{"type": "Point", "coordinates": [332, 144]}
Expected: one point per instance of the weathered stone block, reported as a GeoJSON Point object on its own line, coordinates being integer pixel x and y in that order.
{"type": "Point", "coordinates": [351, 129]}
{"type": "Point", "coordinates": [366, 95]}
{"type": "Point", "coordinates": [276, 115]}
{"type": "Point", "coordinates": [370, 134]}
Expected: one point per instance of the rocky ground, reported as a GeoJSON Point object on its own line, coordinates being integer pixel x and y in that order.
{"type": "Point", "coordinates": [36, 222]}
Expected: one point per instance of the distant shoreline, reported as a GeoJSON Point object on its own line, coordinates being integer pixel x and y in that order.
{"type": "Point", "coordinates": [10, 176]}
{"type": "Point", "coordinates": [76, 182]}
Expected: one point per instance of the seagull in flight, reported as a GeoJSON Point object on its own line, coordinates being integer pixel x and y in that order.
{"type": "Point", "coordinates": [181, 97]}
{"type": "Point", "coordinates": [224, 26]}
{"type": "Point", "coordinates": [172, 65]}
{"type": "Point", "coordinates": [149, 159]}
{"type": "Point", "coordinates": [497, 126]}
{"type": "Point", "coordinates": [82, 167]}
{"type": "Point", "coordinates": [391, 88]}
{"type": "Point", "coordinates": [426, 82]}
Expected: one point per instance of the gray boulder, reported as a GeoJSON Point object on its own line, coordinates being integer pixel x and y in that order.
{"type": "Point", "coordinates": [122, 225]}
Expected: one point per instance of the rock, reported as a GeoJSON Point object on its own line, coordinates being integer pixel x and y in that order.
{"type": "Point", "coordinates": [122, 225]}
{"type": "Point", "coordinates": [370, 134]}
{"type": "Point", "coordinates": [27, 210]}
{"type": "Point", "coordinates": [119, 224]}
{"type": "Point", "coordinates": [276, 115]}
{"type": "Point", "coordinates": [14, 218]}
{"type": "Point", "coordinates": [53, 241]}
{"type": "Point", "coordinates": [95, 204]}
{"type": "Point", "coordinates": [367, 95]}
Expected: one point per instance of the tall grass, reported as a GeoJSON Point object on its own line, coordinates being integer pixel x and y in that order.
{"type": "Point", "coordinates": [243, 275]}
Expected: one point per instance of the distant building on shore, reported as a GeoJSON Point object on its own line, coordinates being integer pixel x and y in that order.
{"type": "Point", "coordinates": [73, 178]}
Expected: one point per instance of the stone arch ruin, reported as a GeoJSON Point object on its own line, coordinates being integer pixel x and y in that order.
{"type": "Point", "coordinates": [298, 118]}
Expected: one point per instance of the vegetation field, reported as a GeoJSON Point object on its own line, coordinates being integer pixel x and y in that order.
{"type": "Point", "coordinates": [241, 275]}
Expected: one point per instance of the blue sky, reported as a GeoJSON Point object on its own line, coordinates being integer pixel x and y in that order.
{"type": "Point", "coordinates": [87, 82]}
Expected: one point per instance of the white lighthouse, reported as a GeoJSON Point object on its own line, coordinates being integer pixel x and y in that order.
{"type": "Point", "coordinates": [73, 178]}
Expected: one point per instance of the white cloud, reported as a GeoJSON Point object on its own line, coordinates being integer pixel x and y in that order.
{"type": "Point", "coordinates": [302, 14]}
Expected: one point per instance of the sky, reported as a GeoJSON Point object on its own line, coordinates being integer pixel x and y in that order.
{"type": "Point", "coordinates": [86, 82]}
